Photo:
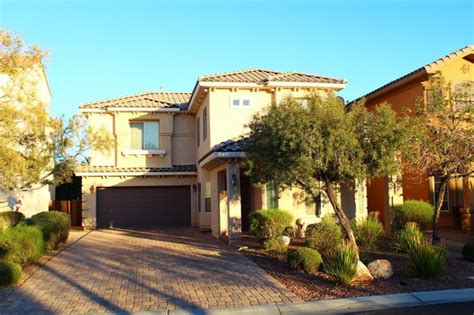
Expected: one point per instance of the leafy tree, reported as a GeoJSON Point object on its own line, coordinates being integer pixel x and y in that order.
{"type": "Point", "coordinates": [318, 145]}
{"type": "Point", "coordinates": [446, 149]}
{"type": "Point", "coordinates": [34, 147]}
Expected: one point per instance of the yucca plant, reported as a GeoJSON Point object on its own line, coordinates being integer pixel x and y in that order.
{"type": "Point", "coordinates": [407, 238]}
{"type": "Point", "coordinates": [427, 261]}
{"type": "Point", "coordinates": [367, 232]}
{"type": "Point", "coordinates": [341, 263]}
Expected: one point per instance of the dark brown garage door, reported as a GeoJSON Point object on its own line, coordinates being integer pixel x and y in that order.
{"type": "Point", "coordinates": [143, 207]}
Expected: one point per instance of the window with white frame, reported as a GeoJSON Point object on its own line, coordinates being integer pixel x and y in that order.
{"type": "Point", "coordinates": [240, 101]}
{"type": "Point", "coordinates": [207, 197]}
{"type": "Point", "coordinates": [144, 135]}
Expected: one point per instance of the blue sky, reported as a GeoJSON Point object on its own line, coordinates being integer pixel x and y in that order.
{"type": "Point", "coordinates": [102, 49]}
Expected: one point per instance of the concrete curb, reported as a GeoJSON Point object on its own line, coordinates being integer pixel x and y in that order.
{"type": "Point", "coordinates": [340, 306]}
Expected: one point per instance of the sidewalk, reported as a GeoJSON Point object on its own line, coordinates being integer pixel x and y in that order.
{"type": "Point", "coordinates": [340, 306]}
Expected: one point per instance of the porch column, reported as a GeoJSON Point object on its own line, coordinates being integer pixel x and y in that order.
{"type": "Point", "coordinates": [393, 197]}
{"type": "Point", "coordinates": [234, 213]}
{"type": "Point", "coordinates": [467, 210]}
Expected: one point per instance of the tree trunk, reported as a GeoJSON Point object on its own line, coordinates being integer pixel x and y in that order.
{"type": "Point", "coordinates": [442, 191]}
{"type": "Point", "coordinates": [341, 215]}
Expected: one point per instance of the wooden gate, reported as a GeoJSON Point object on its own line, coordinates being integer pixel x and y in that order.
{"type": "Point", "coordinates": [73, 207]}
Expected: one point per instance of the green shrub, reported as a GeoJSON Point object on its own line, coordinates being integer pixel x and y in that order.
{"type": "Point", "coordinates": [407, 238]}
{"type": "Point", "coordinates": [304, 258]}
{"type": "Point", "coordinates": [341, 263]}
{"type": "Point", "coordinates": [468, 251]}
{"type": "Point", "coordinates": [417, 211]}
{"type": "Point", "coordinates": [54, 225]}
{"type": "Point", "coordinates": [367, 232]}
{"type": "Point", "coordinates": [323, 236]}
{"type": "Point", "coordinates": [10, 218]}
{"type": "Point", "coordinates": [427, 261]}
{"type": "Point", "coordinates": [276, 247]}
{"type": "Point", "coordinates": [289, 231]}
{"type": "Point", "coordinates": [269, 223]}
{"type": "Point", "coordinates": [10, 272]}
{"type": "Point", "coordinates": [22, 244]}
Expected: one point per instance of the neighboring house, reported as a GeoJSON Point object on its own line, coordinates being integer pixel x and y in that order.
{"type": "Point", "coordinates": [178, 159]}
{"type": "Point", "coordinates": [36, 199]}
{"type": "Point", "coordinates": [383, 193]}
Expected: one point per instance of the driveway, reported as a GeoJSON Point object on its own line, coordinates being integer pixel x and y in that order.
{"type": "Point", "coordinates": [124, 270]}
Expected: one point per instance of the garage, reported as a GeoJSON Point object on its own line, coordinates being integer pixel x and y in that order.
{"type": "Point", "coordinates": [143, 207]}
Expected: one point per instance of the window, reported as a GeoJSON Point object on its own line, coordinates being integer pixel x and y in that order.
{"type": "Point", "coordinates": [437, 188]}
{"type": "Point", "coordinates": [198, 131]}
{"type": "Point", "coordinates": [199, 197]}
{"type": "Point", "coordinates": [144, 135]}
{"type": "Point", "coordinates": [204, 124]}
{"type": "Point", "coordinates": [271, 189]}
{"type": "Point", "coordinates": [313, 208]}
{"type": "Point", "coordinates": [207, 197]}
{"type": "Point", "coordinates": [240, 101]}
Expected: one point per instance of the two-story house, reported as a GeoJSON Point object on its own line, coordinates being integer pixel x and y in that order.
{"type": "Point", "coordinates": [177, 159]}
{"type": "Point", "coordinates": [383, 193]}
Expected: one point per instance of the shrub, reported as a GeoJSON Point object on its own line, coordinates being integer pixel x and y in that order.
{"type": "Point", "coordinates": [276, 247]}
{"type": "Point", "coordinates": [269, 223]}
{"type": "Point", "coordinates": [289, 231]}
{"type": "Point", "coordinates": [304, 258]}
{"type": "Point", "coordinates": [468, 251]}
{"type": "Point", "coordinates": [54, 225]}
{"type": "Point", "coordinates": [427, 261]}
{"type": "Point", "coordinates": [323, 236]}
{"type": "Point", "coordinates": [417, 211]}
{"type": "Point", "coordinates": [341, 263]}
{"type": "Point", "coordinates": [10, 272]}
{"type": "Point", "coordinates": [10, 218]}
{"type": "Point", "coordinates": [407, 238]}
{"type": "Point", "coordinates": [22, 244]}
{"type": "Point", "coordinates": [367, 232]}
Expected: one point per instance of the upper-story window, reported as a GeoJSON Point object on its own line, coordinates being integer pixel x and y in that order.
{"type": "Point", "coordinates": [240, 101]}
{"type": "Point", "coordinates": [144, 135]}
{"type": "Point", "coordinates": [198, 131]}
{"type": "Point", "coordinates": [204, 124]}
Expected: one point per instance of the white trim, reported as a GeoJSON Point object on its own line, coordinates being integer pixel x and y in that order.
{"type": "Point", "coordinates": [92, 174]}
{"type": "Point", "coordinates": [229, 84]}
{"type": "Point", "coordinates": [144, 152]}
{"type": "Point", "coordinates": [225, 155]}
{"type": "Point", "coordinates": [92, 110]}
{"type": "Point", "coordinates": [306, 84]}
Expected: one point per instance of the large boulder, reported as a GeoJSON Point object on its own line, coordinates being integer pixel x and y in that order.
{"type": "Point", "coordinates": [363, 274]}
{"type": "Point", "coordinates": [380, 269]}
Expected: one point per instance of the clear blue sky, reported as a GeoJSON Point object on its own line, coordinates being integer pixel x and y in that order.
{"type": "Point", "coordinates": [102, 49]}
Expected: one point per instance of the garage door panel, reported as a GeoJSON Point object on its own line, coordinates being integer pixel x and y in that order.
{"type": "Point", "coordinates": [146, 207]}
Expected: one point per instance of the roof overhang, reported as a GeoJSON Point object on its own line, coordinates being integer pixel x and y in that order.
{"type": "Point", "coordinates": [218, 158]}
{"type": "Point", "coordinates": [120, 174]}
{"type": "Point", "coordinates": [128, 109]}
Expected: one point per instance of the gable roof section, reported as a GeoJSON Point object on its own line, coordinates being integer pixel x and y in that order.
{"type": "Point", "coordinates": [466, 52]}
{"type": "Point", "coordinates": [262, 76]}
{"type": "Point", "coordinates": [165, 100]}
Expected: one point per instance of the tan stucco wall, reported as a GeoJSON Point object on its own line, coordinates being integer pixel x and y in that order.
{"type": "Point", "coordinates": [90, 184]}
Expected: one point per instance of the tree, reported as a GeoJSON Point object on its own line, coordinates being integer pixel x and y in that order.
{"type": "Point", "coordinates": [319, 145]}
{"type": "Point", "coordinates": [35, 148]}
{"type": "Point", "coordinates": [447, 148]}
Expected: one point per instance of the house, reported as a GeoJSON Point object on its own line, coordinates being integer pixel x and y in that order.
{"type": "Point", "coordinates": [35, 199]}
{"type": "Point", "coordinates": [383, 193]}
{"type": "Point", "coordinates": [177, 159]}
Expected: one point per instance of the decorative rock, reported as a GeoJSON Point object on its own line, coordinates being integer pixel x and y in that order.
{"type": "Point", "coordinates": [284, 239]}
{"type": "Point", "coordinates": [363, 274]}
{"type": "Point", "coordinates": [380, 269]}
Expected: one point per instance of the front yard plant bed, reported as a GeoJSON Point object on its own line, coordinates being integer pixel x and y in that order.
{"type": "Point", "coordinates": [319, 286]}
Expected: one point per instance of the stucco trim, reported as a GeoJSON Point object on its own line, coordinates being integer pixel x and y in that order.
{"type": "Point", "coordinates": [96, 174]}
{"type": "Point", "coordinates": [220, 155]}
{"type": "Point", "coordinates": [129, 109]}
{"type": "Point", "coordinates": [306, 84]}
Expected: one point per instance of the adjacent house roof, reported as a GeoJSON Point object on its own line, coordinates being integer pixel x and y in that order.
{"type": "Point", "coordinates": [262, 76]}
{"type": "Point", "coordinates": [144, 100]}
{"type": "Point", "coordinates": [466, 53]}
{"type": "Point", "coordinates": [81, 169]}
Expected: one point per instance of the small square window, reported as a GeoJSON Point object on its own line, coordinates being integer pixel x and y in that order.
{"type": "Point", "coordinates": [236, 102]}
{"type": "Point", "coordinates": [246, 102]}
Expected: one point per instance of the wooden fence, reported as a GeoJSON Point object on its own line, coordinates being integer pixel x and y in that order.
{"type": "Point", "coordinates": [73, 207]}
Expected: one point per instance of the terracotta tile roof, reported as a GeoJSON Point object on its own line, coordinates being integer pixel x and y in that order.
{"type": "Point", "coordinates": [113, 169]}
{"type": "Point", "coordinates": [150, 99]}
{"type": "Point", "coordinates": [262, 76]}
{"type": "Point", "coordinates": [429, 68]}
{"type": "Point", "coordinates": [234, 145]}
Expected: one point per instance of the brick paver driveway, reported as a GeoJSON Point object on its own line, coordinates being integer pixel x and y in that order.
{"type": "Point", "coordinates": [112, 270]}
